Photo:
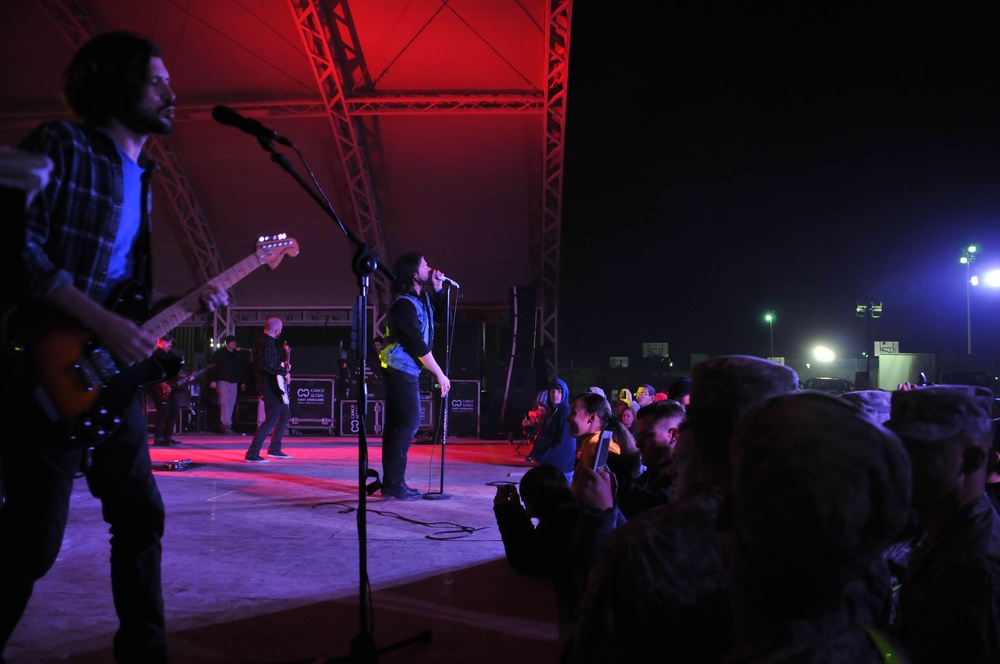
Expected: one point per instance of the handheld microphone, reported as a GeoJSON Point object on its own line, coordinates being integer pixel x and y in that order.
{"type": "Point", "coordinates": [450, 282]}
{"type": "Point", "coordinates": [227, 116]}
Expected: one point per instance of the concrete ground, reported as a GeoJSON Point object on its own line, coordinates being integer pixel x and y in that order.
{"type": "Point", "coordinates": [264, 562]}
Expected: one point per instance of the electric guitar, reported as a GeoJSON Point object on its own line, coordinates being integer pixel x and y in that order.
{"type": "Point", "coordinates": [166, 387]}
{"type": "Point", "coordinates": [283, 381]}
{"type": "Point", "coordinates": [79, 385]}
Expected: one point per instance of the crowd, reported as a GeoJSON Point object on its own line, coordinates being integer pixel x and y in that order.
{"type": "Point", "coordinates": [740, 518]}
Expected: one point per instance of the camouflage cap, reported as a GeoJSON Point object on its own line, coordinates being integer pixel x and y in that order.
{"type": "Point", "coordinates": [818, 488]}
{"type": "Point", "coordinates": [733, 383]}
{"type": "Point", "coordinates": [937, 412]}
{"type": "Point", "coordinates": [873, 403]}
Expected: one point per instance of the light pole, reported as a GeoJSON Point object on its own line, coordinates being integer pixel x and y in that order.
{"type": "Point", "coordinates": [769, 317]}
{"type": "Point", "coordinates": [967, 258]}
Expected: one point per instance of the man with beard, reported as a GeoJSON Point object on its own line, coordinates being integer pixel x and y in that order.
{"type": "Point", "coordinates": [87, 234]}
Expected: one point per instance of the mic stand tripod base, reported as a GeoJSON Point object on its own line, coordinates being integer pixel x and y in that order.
{"type": "Point", "coordinates": [436, 496]}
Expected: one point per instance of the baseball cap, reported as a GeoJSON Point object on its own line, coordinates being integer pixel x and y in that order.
{"type": "Point", "coordinates": [229, 338]}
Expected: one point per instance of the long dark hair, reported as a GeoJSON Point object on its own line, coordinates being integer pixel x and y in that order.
{"type": "Point", "coordinates": [405, 270]}
{"type": "Point", "coordinates": [107, 75]}
{"type": "Point", "coordinates": [595, 404]}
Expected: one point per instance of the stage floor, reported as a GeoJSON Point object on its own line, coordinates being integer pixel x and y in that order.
{"type": "Point", "coordinates": [263, 562]}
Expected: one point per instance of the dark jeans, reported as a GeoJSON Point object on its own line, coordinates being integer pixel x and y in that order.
{"type": "Point", "coordinates": [38, 474]}
{"type": "Point", "coordinates": [402, 419]}
{"type": "Point", "coordinates": [276, 416]}
{"type": "Point", "coordinates": [167, 414]}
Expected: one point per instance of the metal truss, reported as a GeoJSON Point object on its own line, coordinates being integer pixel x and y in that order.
{"type": "Point", "coordinates": [325, 27]}
{"type": "Point", "coordinates": [557, 68]}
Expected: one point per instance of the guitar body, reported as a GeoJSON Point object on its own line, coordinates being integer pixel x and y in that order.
{"type": "Point", "coordinates": [78, 383]}
{"type": "Point", "coordinates": [283, 381]}
{"type": "Point", "coordinates": [81, 386]}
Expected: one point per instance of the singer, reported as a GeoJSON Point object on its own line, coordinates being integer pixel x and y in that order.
{"type": "Point", "coordinates": [409, 340]}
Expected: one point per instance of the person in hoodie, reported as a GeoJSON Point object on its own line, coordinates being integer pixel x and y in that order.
{"type": "Point", "coordinates": [556, 444]}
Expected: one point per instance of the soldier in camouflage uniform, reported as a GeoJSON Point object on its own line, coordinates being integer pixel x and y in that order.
{"type": "Point", "coordinates": [659, 583]}
{"type": "Point", "coordinates": [949, 605]}
{"type": "Point", "coordinates": [819, 491]}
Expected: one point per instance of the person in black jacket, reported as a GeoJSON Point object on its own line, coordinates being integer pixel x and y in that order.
{"type": "Point", "coordinates": [229, 378]}
{"type": "Point", "coordinates": [543, 550]}
{"type": "Point", "coordinates": [165, 397]}
{"type": "Point", "coordinates": [409, 339]}
{"type": "Point", "coordinates": [271, 368]}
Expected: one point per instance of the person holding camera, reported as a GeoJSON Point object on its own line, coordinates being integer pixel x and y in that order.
{"type": "Point", "coordinates": [542, 550]}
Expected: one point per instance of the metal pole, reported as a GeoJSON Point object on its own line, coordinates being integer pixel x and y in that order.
{"type": "Point", "coordinates": [968, 308]}
{"type": "Point", "coordinates": [868, 353]}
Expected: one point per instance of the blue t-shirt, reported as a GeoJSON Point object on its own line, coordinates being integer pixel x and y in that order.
{"type": "Point", "coordinates": [122, 258]}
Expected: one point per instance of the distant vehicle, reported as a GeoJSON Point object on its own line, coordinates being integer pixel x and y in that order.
{"type": "Point", "coordinates": [828, 384]}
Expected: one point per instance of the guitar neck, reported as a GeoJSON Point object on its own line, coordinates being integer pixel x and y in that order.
{"type": "Point", "coordinates": [190, 304]}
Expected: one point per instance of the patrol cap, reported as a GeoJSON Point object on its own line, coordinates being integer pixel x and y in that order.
{"type": "Point", "coordinates": [937, 412]}
{"type": "Point", "coordinates": [873, 403]}
{"type": "Point", "coordinates": [733, 383]}
{"type": "Point", "coordinates": [819, 490]}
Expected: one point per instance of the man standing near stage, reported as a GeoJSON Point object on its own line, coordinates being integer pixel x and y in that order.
{"type": "Point", "coordinates": [229, 378]}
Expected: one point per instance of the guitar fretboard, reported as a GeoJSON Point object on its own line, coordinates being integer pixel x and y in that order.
{"type": "Point", "coordinates": [190, 304]}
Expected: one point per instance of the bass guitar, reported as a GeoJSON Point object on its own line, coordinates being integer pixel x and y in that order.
{"type": "Point", "coordinates": [78, 383]}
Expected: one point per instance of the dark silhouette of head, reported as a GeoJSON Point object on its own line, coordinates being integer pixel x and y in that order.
{"type": "Point", "coordinates": [105, 78]}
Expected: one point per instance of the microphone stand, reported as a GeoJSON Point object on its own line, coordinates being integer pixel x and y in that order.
{"type": "Point", "coordinates": [448, 333]}
{"type": "Point", "coordinates": [364, 264]}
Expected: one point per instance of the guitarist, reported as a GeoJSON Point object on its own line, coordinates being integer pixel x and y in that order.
{"type": "Point", "coordinates": [87, 231]}
{"type": "Point", "coordinates": [272, 370]}
{"type": "Point", "coordinates": [164, 396]}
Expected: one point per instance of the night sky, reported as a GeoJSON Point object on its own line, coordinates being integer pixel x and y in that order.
{"type": "Point", "coordinates": [726, 159]}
